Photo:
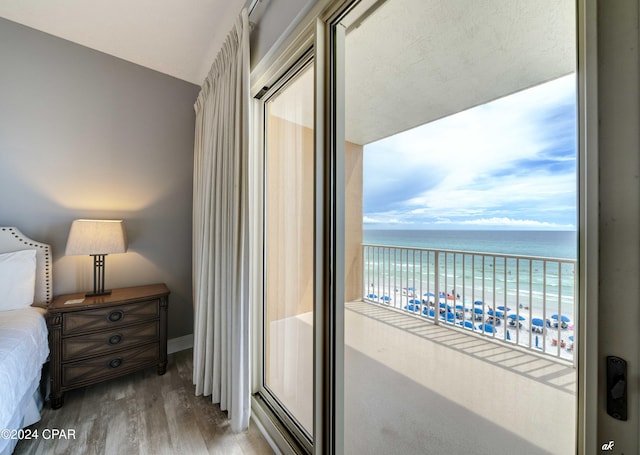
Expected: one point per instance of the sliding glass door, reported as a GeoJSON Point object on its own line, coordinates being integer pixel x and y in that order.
{"type": "Point", "coordinates": [288, 249]}
{"type": "Point", "coordinates": [422, 279]}
{"type": "Point", "coordinates": [460, 225]}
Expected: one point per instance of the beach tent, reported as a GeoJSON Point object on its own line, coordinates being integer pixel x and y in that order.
{"type": "Point", "coordinates": [486, 328]}
{"type": "Point", "coordinates": [467, 324]}
{"type": "Point", "coordinates": [429, 313]}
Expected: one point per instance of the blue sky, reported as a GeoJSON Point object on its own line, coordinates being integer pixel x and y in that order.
{"type": "Point", "coordinates": [507, 164]}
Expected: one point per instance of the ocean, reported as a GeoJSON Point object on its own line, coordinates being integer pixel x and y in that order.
{"type": "Point", "coordinates": [537, 288]}
{"type": "Point", "coordinates": [555, 244]}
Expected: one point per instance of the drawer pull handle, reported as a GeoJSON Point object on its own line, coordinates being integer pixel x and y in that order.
{"type": "Point", "coordinates": [115, 339]}
{"type": "Point", "coordinates": [115, 363]}
{"type": "Point", "coordinates": [115, 316]}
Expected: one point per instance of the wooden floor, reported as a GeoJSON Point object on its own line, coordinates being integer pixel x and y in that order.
{"type": "Point", "coordinates": [143, 413]}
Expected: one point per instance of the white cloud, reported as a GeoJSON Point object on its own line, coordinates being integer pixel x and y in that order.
{"type": "Point", "coordinates": [510, 222]}
{"type": "Point", "coordinates": [380, 220]}
{"type": "Point", "coordinates": [468, 167]}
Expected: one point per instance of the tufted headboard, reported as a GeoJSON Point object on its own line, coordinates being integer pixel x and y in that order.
{"type": "Point", "coordinates": [11, 239]}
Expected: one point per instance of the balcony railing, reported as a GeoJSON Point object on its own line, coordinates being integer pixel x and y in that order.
{"type": "Point", "coordinates": [522, 300]}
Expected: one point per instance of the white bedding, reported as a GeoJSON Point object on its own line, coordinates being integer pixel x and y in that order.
{"type": "Point", "coordinates": [23, 350]}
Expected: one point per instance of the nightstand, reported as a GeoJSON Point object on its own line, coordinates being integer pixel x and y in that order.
{"type": "Point", "coordinates": [103, 337]}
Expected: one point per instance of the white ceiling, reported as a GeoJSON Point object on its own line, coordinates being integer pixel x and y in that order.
{"type": "Point", "coordinates": [413, 61]}
{"type": "Point", "coordinates": [176, 37]}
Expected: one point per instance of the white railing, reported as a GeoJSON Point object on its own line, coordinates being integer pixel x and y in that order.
{"type": "Point", "coordinates": [522, 300]}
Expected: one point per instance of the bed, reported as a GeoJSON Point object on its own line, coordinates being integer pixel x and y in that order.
{"type": "Point", "coordinates": [25, 292]}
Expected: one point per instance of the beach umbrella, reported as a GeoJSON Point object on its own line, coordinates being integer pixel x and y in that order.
{"type": "Point", "coordinates": [504, 308]}
{"type": "Point", "coordinates": [372, 296]}
{"type": "Point", "coordinates": [449, 316]}
{"type": "Point", "coordinates": [536, 341]}
{"type": "Point", "coordinates": [563, 318]}
{"type": "Point", "coordinates": [428, 294]}
{"type": "Point", "coordinates": [486, 328]}
{"type": "Point", "coordinates": [429, 313]}
{"type": "Point", "coordinates": [412, 307]}
{"type": "Point", "coordinates": [459, 307]}
{"type": "Point", "coordinates": [478, 302]}
{"type": "Point", "coordinates": [498, 314]}
{"type": "Point", "coordinates": [477, 310]}
{"type": "Point", "coordinates": [451, 297]}
{"type": "Point", "coordinates": [514, 316]}
{"type": "Point", "coordinates": [508, 336]}
{"type": "Point", "coordinates": [385, 298]}
{"type": "Point", "coordinates": [571, 337]}
{"type": "Point", "coordinates": [537, 321]}
{"type": "Point", "coordinates": [416, 301]}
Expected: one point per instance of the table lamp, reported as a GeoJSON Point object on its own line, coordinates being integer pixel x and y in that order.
{"type": "Point", "coordinates": [97, 238]}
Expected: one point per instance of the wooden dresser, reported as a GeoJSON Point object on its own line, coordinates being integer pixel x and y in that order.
{"type": "Point", "coordinates": [100, 338]}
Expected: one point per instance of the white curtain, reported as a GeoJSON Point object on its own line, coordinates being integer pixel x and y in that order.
{"type": "Point", "coordinates": [221, 362]}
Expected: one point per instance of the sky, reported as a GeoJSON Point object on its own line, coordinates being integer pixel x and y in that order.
{"type": "Point", "coordinates": [508, 164]}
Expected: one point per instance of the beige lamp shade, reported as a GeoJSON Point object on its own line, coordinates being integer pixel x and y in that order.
{"type": "Point", "coordinates": [96, 237]}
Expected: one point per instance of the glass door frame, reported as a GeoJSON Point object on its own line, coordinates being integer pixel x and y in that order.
{"type": "Point", "coordinates": [321, 28]}
{"type": "Point", "coordinates": [299, 435]}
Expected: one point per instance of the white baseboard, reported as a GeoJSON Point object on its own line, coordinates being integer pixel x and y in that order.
{"type": "Point", "coordinates": [180, 343]}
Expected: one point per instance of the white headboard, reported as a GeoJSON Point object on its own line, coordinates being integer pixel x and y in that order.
{"type": "Point", "coordinates": [11, 239]}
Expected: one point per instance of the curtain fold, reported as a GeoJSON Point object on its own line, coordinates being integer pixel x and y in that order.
{"type": "Point", "coordinates": [221, 362]}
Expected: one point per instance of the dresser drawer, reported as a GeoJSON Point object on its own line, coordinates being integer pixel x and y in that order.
{"type": "Point", "coordinates": [110, 340]}
{"type": "Point", "coordinates": [107, 318]}
{"type": "Point", "coordinates": [108, 366]}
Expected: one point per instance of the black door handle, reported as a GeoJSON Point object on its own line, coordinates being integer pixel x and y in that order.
{"type": "Point", "coordinates": [617, 388]}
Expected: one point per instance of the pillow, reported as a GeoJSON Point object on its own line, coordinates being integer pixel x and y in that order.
{"type": "Point", "coordinates": [17, 279]}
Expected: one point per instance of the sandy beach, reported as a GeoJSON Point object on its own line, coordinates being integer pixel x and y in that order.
{"type": "Point", "coordinates": [511, 322]}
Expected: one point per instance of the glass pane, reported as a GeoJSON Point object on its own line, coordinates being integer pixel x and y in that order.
{"type": "Point", "coordinates": [460, 227]}
{"type": "Point", "coordinates": [289, 228]}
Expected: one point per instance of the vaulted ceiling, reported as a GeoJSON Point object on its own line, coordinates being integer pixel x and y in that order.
{"type": "Point", "coordinates": [176, 37]}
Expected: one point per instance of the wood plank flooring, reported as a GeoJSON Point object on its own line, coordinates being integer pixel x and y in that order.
{"type": "Point", "coordinates": [143, 413]}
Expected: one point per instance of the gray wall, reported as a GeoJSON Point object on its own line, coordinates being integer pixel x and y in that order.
{"type": "Point", "coordinates": [619, 157]}
{"type": "Point", "coordinates": [87, 135]}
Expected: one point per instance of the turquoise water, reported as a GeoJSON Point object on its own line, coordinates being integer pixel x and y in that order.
{"type": "Point", "coordinates": [538, 287]}
{"type": "Point", "coordinates": [556, 244]}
